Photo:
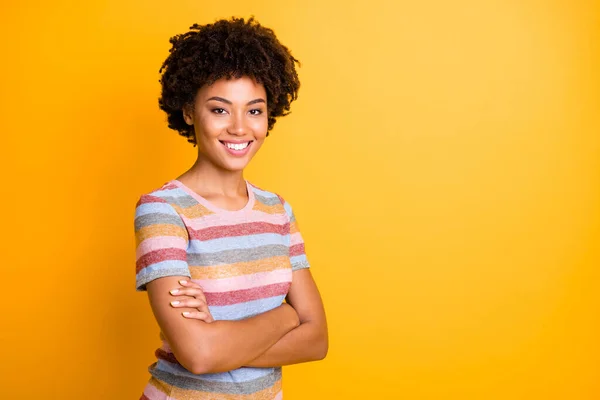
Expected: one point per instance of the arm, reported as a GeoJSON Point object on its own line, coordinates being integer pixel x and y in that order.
{"type": "Point", "coordinates": [162, 240]}
{"type": "Point", "coordinates": [307, 342]}
{"type": "Point", "coordinates": [220, 345]}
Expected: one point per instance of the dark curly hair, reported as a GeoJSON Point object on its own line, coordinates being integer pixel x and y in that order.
{"type": "Point", "coordinates": [226, 49]}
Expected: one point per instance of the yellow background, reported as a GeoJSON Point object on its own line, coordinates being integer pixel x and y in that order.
{"type": "Point", "coordinates": [443, 160]}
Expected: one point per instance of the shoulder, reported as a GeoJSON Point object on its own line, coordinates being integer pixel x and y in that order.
{"type": "Point", "coordinates": [164, 205]}
{"type": "Point", "coordinates": [168, 194]}
{"type": "Point", "coordinates": [272, 199]}
{"type": "Point", "coordinates": [266, 196]}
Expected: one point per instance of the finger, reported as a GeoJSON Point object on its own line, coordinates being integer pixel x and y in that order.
{"type": "Point", "coordinates": [204, 308]}
{"type": "Point", "coordinates": [193, 292]}
{"type": "Point", "coordinates": [191, 303]}
{"type": "Point", "coordinates": [198, 315]}
{"type": "Point", "coordinates": [188, 283]}
{"type": "Point", "coordinates": [209, 318]}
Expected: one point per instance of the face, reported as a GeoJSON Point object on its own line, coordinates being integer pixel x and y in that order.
{"type": "Point", "coordinates": [230, 121]}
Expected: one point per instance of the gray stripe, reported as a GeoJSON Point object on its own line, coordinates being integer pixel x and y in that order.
{"type": "Point", "coordinates": [200, 384]}
{"type": "Point", "coordinates": [300, 265]}
{"type": "Point", "coordinates": [181, 201]}
{"type": "Point", "coordinates": [269, 201]}
{"type": "Point", "coordinates": [158, 218]}
{"type": "Point", "coordinates": [144, 278]}
{"type": "Point", "coordinates": [237, 255]}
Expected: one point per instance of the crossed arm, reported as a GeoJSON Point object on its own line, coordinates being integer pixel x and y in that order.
{"type": "Point", "coordinates": [292, 333]}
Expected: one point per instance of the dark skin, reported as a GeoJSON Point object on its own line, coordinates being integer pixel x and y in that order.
{"type": "Point", "coordinates": [224, 112]}
{"type": "Point", "coordinates": [307, 342]}
{"type": "Point", "coordinates": [232, 48]}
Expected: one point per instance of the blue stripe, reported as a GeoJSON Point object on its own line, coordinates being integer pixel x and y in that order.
{"type": "Point", "coordinates": [151, 208]}
{"type": "Point", "coordinates": [169, 193]}
{"type": "Point", "coordinates": [263, 193]}
{"type": "Point", "coordinates": [237, 242]}
{"type": "Point", "coordinates": [298, 259]}
{"type": "Point", "coordinates": [288, 208]}
{"type": "Point", "coordinates": [243, 374]}
{"type": "Point", "coordinates": [246, 309]}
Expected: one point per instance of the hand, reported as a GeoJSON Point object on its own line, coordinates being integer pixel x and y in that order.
{"type": "Point", "coordinates": [191, 295]}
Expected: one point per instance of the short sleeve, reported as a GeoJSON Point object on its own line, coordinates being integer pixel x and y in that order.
{"type": "Point", "coordinates": [161, 241]}
{"type": "Point", "coordinates": [298, 257]}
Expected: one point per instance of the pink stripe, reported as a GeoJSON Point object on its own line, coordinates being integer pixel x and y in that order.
{"type": "Point", "coordinates": [148, 198]}
{"type": "Point", "coordinates": [244, 281]}
{"type": "Point", "coordinates": [245, 295]}
{"type": "Point", "coordinates": [159, 242]}
{"type": "Point", "coordinates": [157, 256]}
{"type": "Point", "coordinates": [151, 392]}
{"type": "Point", "coordinates": [295, 238]}
{"type": "Point", "coordinates": [297, 249]}
{"type": "Point", "coordinates": [225, 219]}
{"type": "Point", "coordinates": [243, 229]}
{"type": "Point", "coordinates": [279, 395]}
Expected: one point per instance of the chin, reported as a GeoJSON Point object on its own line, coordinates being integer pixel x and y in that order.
{"type": "Point", "coordinates": [235, 166]}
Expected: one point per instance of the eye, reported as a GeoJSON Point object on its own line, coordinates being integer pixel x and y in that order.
{"type": "Point", "coordinates": [256, 111]}
{"type": "Point", "coordinates": [219, 110]}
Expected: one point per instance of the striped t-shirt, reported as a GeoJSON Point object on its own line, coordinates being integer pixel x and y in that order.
{"type": "Point", "coordinates": [243, 260]}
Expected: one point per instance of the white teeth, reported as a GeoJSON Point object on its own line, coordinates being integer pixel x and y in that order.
{"type": "Point", "coordinates": [240, 146]}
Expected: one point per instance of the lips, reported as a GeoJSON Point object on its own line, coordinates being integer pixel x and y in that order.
{"type": "Point", "coordinates": [238, 147]}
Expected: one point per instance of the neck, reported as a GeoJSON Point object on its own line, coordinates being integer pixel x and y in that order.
{"type": "Point", "coordinates": [208, 178]}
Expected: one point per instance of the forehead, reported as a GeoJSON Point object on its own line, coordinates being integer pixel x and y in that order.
{"type": "Point", "coordinates": [241, 89]}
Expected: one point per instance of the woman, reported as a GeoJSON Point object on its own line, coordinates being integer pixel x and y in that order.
{"type": "Point", "coordinates": [216, 254]}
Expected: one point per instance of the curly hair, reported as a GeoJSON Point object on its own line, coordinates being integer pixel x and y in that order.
{"type": "Point", "coordinates": [226, 49]}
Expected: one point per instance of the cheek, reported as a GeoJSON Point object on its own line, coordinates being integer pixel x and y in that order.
{"type": "Point", "coordinates": [210, 126]}
{"type": "Point", "coordinates": [256, 146]}
{"type": "Point", "coordinates": [259, 126]}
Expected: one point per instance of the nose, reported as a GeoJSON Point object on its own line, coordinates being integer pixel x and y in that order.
{"type": "Point", "coordinates": [237, 125]}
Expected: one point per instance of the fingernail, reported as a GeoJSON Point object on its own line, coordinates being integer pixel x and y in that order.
{"type": "Point", "coordinates": [174, 291]}
{"type": "Point", "coordinates": [183, 282]}
{"type": "Point", "coordinates": [174, 303]}
{"type": "Point", "coordinates": [186, 313]}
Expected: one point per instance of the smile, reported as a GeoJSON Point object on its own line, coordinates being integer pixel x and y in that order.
{"type": "Point", "coordinates": [237, 149]}
{"type": "Point", "coordinates": [236, 146]}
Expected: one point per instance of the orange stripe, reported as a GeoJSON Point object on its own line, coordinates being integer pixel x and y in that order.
{"type": "Point", "coordinates": [241, 268]}
{"type": "Point", "coordinates": [293, 227]}
{"type": "Point", "coordinates": [159, 230]}
{"type": "Point", "coordinates": [160, 385]}
{"type": "Point", "coordinates": [188, 394]}
{"type": "Point", "coordinates": [195, 211]}
{"type": "Point", "coordinates": [274, 209]}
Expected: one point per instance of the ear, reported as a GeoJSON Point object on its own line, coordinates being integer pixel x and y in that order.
{"type": "Point", "coordinates": [188, 114]}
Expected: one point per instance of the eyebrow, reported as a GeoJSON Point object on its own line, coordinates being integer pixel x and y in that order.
{"type": "Point", "coordinates": [217, 98]}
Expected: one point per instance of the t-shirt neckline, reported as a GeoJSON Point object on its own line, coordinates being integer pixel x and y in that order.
{"type": "Point", "coordinates": [213, 207]}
